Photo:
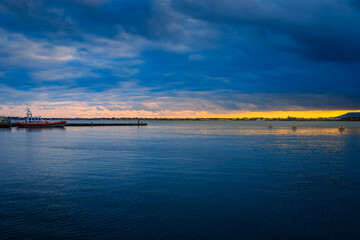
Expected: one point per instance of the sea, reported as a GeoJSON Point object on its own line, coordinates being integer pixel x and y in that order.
{"type": "Point", "coordinates": [182, 180]}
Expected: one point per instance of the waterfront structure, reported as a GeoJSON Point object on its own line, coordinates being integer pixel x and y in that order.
{"type": "Point", "coordinates": [5, 122]}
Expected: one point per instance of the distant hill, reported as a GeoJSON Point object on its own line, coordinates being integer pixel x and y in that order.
{"type": "Point", "coordinates": [350, 115]}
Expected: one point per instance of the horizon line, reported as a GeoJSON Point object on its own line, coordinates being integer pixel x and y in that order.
{"type": "Point", "coordinates": [184, 114]}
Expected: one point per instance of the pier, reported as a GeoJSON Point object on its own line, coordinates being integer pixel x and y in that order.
{"type": "Point", "coordinates": [92, 124]}
{"type": "Point", "coordinates": [103, 124]}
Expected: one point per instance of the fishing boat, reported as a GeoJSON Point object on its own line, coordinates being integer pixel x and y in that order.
{"type": "Point", "coordinates": [31, 121]}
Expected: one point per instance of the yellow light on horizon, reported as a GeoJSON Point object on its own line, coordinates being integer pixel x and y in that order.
{"type": "Point", "coordinates": [285, 114]}
{"type": "Point", "coordinates": [81, 110]}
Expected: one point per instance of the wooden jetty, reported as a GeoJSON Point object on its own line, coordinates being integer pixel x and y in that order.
{"type": "Point", "coordinates": [103, 124]}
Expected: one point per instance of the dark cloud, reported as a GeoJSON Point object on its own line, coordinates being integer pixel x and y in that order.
{"type": "Point", "coordinates": [325, 30]}
{"type": "Point", "coordinates": [191, 55]}
{"type": "Point", "coordinates": [356, 3]}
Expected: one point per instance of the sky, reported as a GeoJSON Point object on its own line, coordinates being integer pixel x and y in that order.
{"type": "Point", "coordinates": [179, 58]}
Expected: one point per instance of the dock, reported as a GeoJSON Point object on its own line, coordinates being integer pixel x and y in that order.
{"type": "Point", "coordinates": [90, 124]}
{"type": "Point", "coordinates": [103, 124]}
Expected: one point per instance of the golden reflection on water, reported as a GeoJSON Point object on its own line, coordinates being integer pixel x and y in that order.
{"type": "Point", "coordinates": [306, 131]}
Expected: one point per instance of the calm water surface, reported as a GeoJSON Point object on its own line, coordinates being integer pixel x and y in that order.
{"type": "Point", "coordinates": [181, 180]}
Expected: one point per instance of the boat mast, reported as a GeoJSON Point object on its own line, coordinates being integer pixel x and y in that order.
{"type": "Point", "coordinates": [28, 115]}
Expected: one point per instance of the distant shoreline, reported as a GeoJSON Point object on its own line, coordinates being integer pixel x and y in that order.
{"type": "Point", "coordinates": [202, 119]}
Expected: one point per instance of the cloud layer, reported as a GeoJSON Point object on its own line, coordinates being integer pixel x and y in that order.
{"type": "Point", "coordinates": [174, 56]}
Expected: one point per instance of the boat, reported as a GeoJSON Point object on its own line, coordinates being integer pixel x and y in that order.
{"type": "Point", "coordinates": [294, 126]}
{"type": "Point", "coordinates": [341, 128]}
{"type": "Point", "coordinates": [270, 126]}
{"type": "Point", "coordinates": [31, 121]}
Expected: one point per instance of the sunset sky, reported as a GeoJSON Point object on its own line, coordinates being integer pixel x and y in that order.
{"type": "Point", "coordinates": [179, 58]}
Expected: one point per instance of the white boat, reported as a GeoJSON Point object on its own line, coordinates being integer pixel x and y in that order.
{"type": "Point", "coordinates": [31, 121]}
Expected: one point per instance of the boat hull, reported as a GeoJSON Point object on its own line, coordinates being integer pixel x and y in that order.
{"type": "Point", "coordinates": [49, 124]}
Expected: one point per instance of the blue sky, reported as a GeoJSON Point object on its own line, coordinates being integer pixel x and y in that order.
{"type": "Point", "coordinates": [175, 58]}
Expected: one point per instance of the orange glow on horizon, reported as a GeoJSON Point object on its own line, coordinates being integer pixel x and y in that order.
{"type": "Point", "coordinates": [81, 110]}
{"type": "Point", "coordinates": [285, 114]}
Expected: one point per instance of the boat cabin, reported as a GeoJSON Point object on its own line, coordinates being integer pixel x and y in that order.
{"type": "Point", "coordinates": [30, 119]}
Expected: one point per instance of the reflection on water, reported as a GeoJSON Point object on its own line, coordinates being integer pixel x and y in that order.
{"type": "Point", "coordinates": [255, 127]}
{"type": "Point", "coordinates": [5, 129]}
{"type": "Point", "coordinates": [39, 129]}
{"type": "Point", "coordinates": [181, 180]}
{"type": "Point", "coordinates": [238, 130]}
{"type": "Point", "coordinates": [307, 131]}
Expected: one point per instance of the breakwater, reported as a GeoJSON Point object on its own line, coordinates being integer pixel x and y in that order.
{"type": "Point", "coordinates": [94, 124]}
{"type": "Point", "coordinates": [103, 124]}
